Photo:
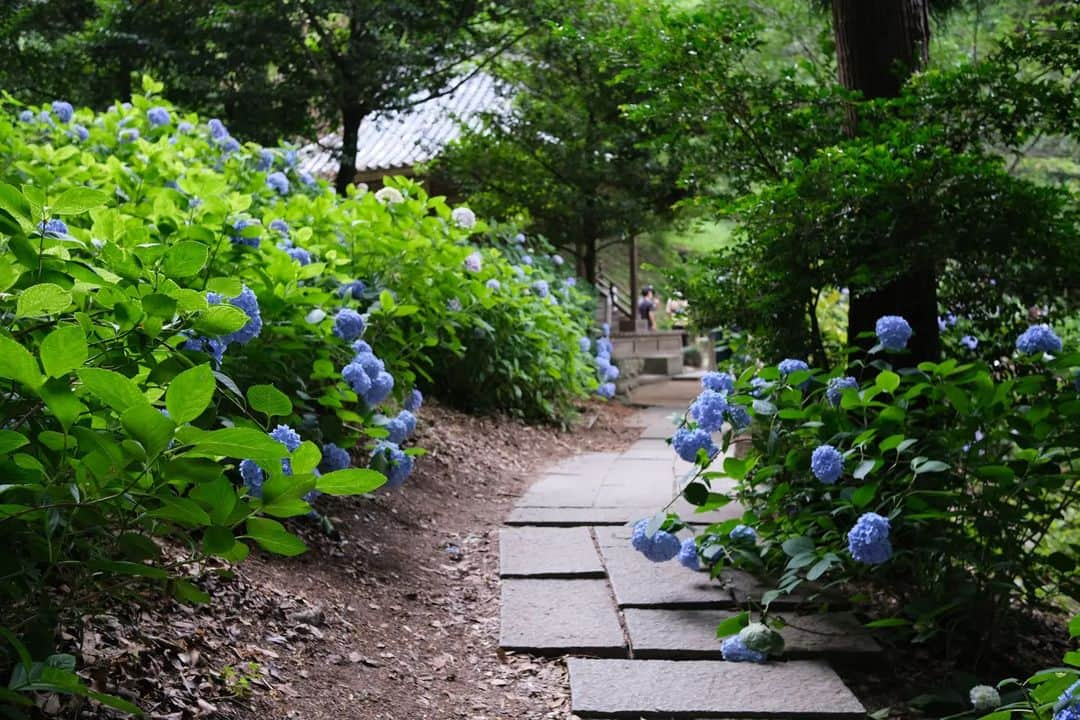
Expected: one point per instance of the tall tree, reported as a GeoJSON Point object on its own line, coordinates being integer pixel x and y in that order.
{"type": "Point", "coordinates": [878, 46]}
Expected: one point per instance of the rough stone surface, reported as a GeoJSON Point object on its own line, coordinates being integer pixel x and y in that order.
{"type": "Point", "coordinates": [583, 464]}
{"type": "Point", "coordinates": [639, 582]}
{"type": "Point", "coordinates": [709, 689]}
{"type": "Point", "coordinates": [562, 491]}
{"type": "Point", "coordinates": [558, 617]}
{"type": "Point", "coordinates": [571, 516]}
{"type": "Point", "coordinates": [683, 634]}
{"type": "Point", "coordinates": [649, 449]}
{"type": "Point", "coordinates": [548, 552]}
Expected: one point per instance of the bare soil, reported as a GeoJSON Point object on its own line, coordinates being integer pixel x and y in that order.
{"type": "Point", "coordinates": [395, 616]}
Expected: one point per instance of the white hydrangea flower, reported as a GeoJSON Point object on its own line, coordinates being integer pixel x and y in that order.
{"type": "Point", "coordinates": [984, 698]}
{"type": "Point", "coordinates": [389, 196]}
{"type": "Point", "coordinates": [463, 217]}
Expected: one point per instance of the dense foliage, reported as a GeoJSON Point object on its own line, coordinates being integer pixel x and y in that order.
{"type": "Point", "coordinates": [198, 340]}
{"type": "Point", "coordinates": [935, 486]}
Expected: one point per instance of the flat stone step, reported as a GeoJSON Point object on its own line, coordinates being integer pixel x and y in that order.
{"type": "Point", "coordinates": [572, 516]}
{"type": "Point", "coordinates": [689, 689]}
{"type": "Point", "coordinates": [548, 552]}
{"type": "Point", "coordinates": [560, 617]}
{"type": "Point", "coordinates": [562, 491]}
{"type": "Point", "coordinates": [583, 464]}
{"type": "Point", "coordinates": [691, 634]}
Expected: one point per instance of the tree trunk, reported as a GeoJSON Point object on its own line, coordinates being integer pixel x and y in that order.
{"type": "Point", "coordinates": [351, 117]}
{"type": "Point", "coordinates": [879, 43]}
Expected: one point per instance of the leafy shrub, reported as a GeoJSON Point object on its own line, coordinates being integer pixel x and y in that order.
{"type": "Point", "coordinates": [937, 485]}
{"type": "Point", "coordinates": [181, 356]}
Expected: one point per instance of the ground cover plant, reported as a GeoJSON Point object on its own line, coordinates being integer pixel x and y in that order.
{"type": "Point", "coordinates": [925, 493]}
{"type": "Point", "coordinates": [199, 340]}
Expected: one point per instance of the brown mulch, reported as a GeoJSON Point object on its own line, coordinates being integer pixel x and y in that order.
{"type": "Point", "coordinates": [395, 616]}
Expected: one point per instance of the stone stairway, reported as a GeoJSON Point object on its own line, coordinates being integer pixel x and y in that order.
{"type": "Point", "coordinates": [640, 636]}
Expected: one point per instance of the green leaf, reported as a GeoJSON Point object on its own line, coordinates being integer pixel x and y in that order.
{"type": "Point", "coordinates": [187, 591]}
{"type": "Point", "coordinates": [185, 259]}
{"type": "Point", "coordinates": [64, 350]}
{"type": "Point", "coordinates": [190, 393]}
{"type": "Point", "coordinates": [159, 305]}
{"type": "Point", "coordinates": [696, 493]}
{"type": "Point", "coordinates": [11, 440]}
{"type": "Point", "coordinates": [732, 625]}
{"type": "Point", "coordinates": [218, 540]}
{"type": "Point", "coordinates": [350, 481]}
{"type": "Point", "coordinates": [221, 320]}
{"type": "Point", "coordinates": [930, 466]}
{"type": "Point", "coordinates": [887, 623]}
{"type": "Point", "coordinates": [887, 380]}
{"type": "Point", "coordinates": [865, 468]}
{"type": "Point", "coordinates": [1074, 627]}
{"type": "Point", "coordinates": [74, 201]}
{"type": "Point", "coordinates": [864, 495]}
{"type": "Point", "coordinates": [42, 299]}
{"type": "Point", "coordinates": [272, 536]}
{"type": "Point", "coordinates": [243, 443]}
{"type": "Point", "coordinates": [111, 388]}
{"type": "Point", "coordinates": [735, 468]}
{"type": "Point", "coordinates": [820, 568]}
{"type": "Point", "coordinates": [13, 202]}
{"type": "Point", "coordinates": [181, 510]}
{"type": "Point", "coordinates": [1072, 658]}
{"type": "Point", "coordinates": [62, 402]}
{"type": "Point", "coordinates": [18, 364]}
{"type": "Point", "coordinates": [217, 496]}
{"type": "Point", "coordinates": [386, 301]}
{"type": "Point", "coordinates": [268, 400]}
{"type": "Point", "coordinates": [891, 442]}
{"type": "Point", "coordinates": [797, 546]}
{"type": "Point", "coordinates": [306, 458]}
{"type": "Point", "coordinates": [122, 567]}
{"type": "Point", "coordinates": [149, 427]}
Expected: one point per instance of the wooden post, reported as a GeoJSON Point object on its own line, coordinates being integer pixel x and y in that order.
{"type": "Point", "coordinates": [633, 278]}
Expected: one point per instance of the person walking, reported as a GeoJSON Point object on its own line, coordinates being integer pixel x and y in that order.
{"type": "Point", "coordinates": [647, 307]}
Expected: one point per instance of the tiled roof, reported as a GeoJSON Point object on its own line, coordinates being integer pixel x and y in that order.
{"type": "Point", "coordinates": [397, 141]}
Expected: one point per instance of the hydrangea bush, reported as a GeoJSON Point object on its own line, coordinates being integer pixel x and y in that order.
{"type": "Point", "coordinates": [935, 485]}
{"type": "Point", "coordinates": [195, 337]}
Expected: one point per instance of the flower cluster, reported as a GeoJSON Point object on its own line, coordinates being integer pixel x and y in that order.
{"type": "Point", "coordinates": [216, 346]}
{"type": "Point", "coordinates": [474, 262]}
{"type": "Point", "coordinates": [414, 400]}
{"type": "Point", "coordinates": [1068, 705]}
{"type": "Point", "coordinates": [709, 410]}
{"type": "Point", "coordinates": [158, 116]}
{"type": "Point", "coordinates": [834, 389]}
{"type": "Point", "coordinates": [661, 546]}
{"type": "Point", "coordinates": [893, 332]}
{"type": "Point", "coordinates": [984, 698]}
{"type": "Point", "coordinates": [687, 442]}
{"type": "Point", "coordinates": [827, 464]}
{"type": "Point", "coordinates": [239, 237]}
{"type": "Point", "coordinates": [688, 555]}
{"type": "Point", "coordinates": [278, 182]}
{"type": "Point", "coordinates": [733, 649]}
{"type": "Point", "coordinates": [464, 218]}
{"type": "Point", "coordinates": [743, 534]}
{"type": "Point", "coordinates": [791, 365]}
{"type": "Point", "coordinates": [868, 541]}
{"type": "Point", "coordinates": [391, 461]}
{"type": "Point", "coordinates": [1038, 339]}
{"type": "Point", "coordinates": [348, 324]}
{"type": "Point", "coordinates": [367, 376]}
{"type": "Point", "coordinates": [389, 196]}
{"type": "Point", "coordinates": [334, 458]}
{"type": "Point", "coordinates": [720, 382]}
{"type": "Point", "coordinates": [607, 372]}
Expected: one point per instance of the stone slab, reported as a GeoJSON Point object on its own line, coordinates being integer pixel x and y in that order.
{"type": "Point", "coordinates": [583, 464]}
{"type": "Point", "coordinates": [648, 449]}
{"type": "Point", "coordinates": [639, 582]}
{"type": "Point", "coordinates": [691, 634]}
{"type": "Point", "coordinates": [562, 491]}
{"type": "Point", "coordinates": [557, 617]}
{"type": "Point", "coordinates": [571, 516]}
{"type": "Point", "coordinates": [688, 689]}
{"type": "Point", "coordinates": [548, 552]}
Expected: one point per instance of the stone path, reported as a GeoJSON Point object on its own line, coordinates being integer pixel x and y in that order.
{"type": "Point", "coordinates": [640, 636]}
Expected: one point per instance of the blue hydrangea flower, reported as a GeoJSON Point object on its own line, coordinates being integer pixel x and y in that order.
{"type": "Point", "coordinates": [45, 117]}
{"type": "Point", "coordinates": [291, 158]}
{"type": "Point", "coordinates": [720, 382]}
{"type": "Point", "coordinates": [827, 464]}
{"type": "Point", "coordinates": [603, 346]}
{"type": "Point", "coordinates": [663, 546]}
{"type": "Point", "coordinates": [299, 255]}
{"type": "Point", "coordinates": [371, 364]}
{"type": "Point", "coordinates": [708, 410]}
{"type": "Point", "coordinates": [361, 347]}
{"type": "Point", "coordinates": [253, 477]}
{"type": "Point", "coordinates": [357, 379]}
{"type": "Point", "coordinates": [834, 389]}
{"type": "Point", "coordinates": [381, 387]}
{"type": "Point", "coordinates": [217, 129]}
{"type": "Point", "coordinates": [493, 285]}
{"type": "Point", "coordinates": [230, 145]}
{"type": "Point", "coordinates": [214, 346]}
{"type": "Point", "coordinates": [266, 160]}
{"type": "Point", "coordinates": [80, 132]}
{"type": "Point", "coordinates": [584, 344]}
{"type": "Point", "coordinates": [737, 416]}
{"type": "Point", "coordinates": [453, 305]}
{"type": "Point", "coordinates": [287, 437]}
{"type": "Point", "coordinates": [348, 324]}
{"type": "Point", "coordinates": [128, 135]}
{"type": "Point", "coordinates": [306, 178]}
{"type": "Point", "coordinates": [791, 365]}
{"type": "Point", "coordinates": [409, 421]}
{"type": "Point", "coordinates": [238, 239]}
{"type": "Point", "coordinates": [184, 127]}
{"type": "Point", "coordinates": [527, 259]}
{"type": "Point", "coordinates": [249, 303]}
{"type": "Point", "coordinates": [53, 228]}
{"type": "Point", "coordinates": [605, 329]}
{"type": "Point", "coordinates": [638, 539]}
{"type": "Point", "coordinates": [63, 110]}
{"type": "Point", "coordinates": [893, 332]}
{"type": "Point", "coordinates": [733, 649]}
{"type": "Point", "coordinates": [1067, 706]}
{"type": "Point", "coordinates": [557, 260]}
{"type": "Point", "coordinates": [414, 400]}
{"type": "Point", "coordinates": [278, 182]}
{"type": "Point", "coordinates": [396, 429]}
{"type": "Point", "coordinates": [27, 116]}
{"type": "Point", "coordinates": [606, 390]}
{"type": "Point", "coordinates": [1038, 339]}
{"type": "Point", "coordinates": [970, 342]}
{"type": "Point", "coordinates": [540, 287]}
{"type": "Point", "coordinates": [688, 556]}
{"type": "Point", "coordinates": [608, 372]}
{"type": "Point", "coordinates": [868, 541]}
{"type": "Point", "coordinates": [520, 238]}
{"type": "Point", "coordinates": [334, 458]}
{"type": "Point", "coordinates": [474, 262]}
{"type": "Point", "coordinates": [743, 533]}
{"type": "Point", "coordinates": [570, 282]}
{"type": "Point", "coordinates": [280, 226]}
{"type": "Point", "coordinates": [158, 116]}
{"type": "Point", "coordinates": [687, 442]}
{"type": "Point", "coordinates": [759, 385]}
{"type": "Point", "coordinates": [392, 462]}
{"type": "Point", "coordinates": [354, 289]}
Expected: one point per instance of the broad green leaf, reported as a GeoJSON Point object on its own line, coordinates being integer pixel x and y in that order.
{"type": "Point", "coordinates": [11, 440]}
{"type": "Point", "coordinates": [42, 299]}
{"type": "Point", "coordinates": [272, 536]}
{"type": "Point", "coordinates": [218, 540]}
{"type": "Point", "coordinates": [64, 350]}
{"type": "Point", "coordinates": [268, 400]}
{"type": "Point", "coordinates": [74, 201]}
{"type": "Point", "coordinates": [221, 320]}
{"type": "Point", "coordinates": [350, 481]}
{"type": "Point", "coordinates": [217, 496]}
{"type": "Point", "coordinates": [887, 622]}
{"type": "Point", "coordinates": [13, 202]}
{"type": "Point", "coordinates": [891, 442]}
{"type": "Point", "coordinates": [306, 458]}
{"type": "Point", "coordinates": [190, 393]}
{"type": "Point", "coordinates": [864, 469]}
{"type": "Point", "coordinates": [122, 567]}
{"type": "Point", "coordinates": [887, 380]}
{"type": "Point", "coordinates": [735, 468]}
{"type": "Point", "coordinates": [242, 443]}
{"type": "Point", "coordinates": [930, 466]}
{"type": "Point", "coordinates": [185, 259]}
{"type": "Point", "coordinates": [1074, 627]}
{"type": "Point", "coordinates": [111, 388]}
{"type": "Point", "coordinates": [820, 568]}
{"type": "Point", "coordinates": [147, 425]}
{"type": "Point", "coordinates": [62, 402]}
{"type": "Point", "coordinates": [159, 305]}
{"type": "Point", "coordinates": [186, 591]}
{"type": "Point", "coordinates": [732, 625]}
{"type": "Point", "coordinates": [797, 546]}
{"type": "Point", "coordinates": [181, 510]}
{"type": "Point", "coordinates": [16, 363]}
{"type": "Point", "coordinates": [864, 495]}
